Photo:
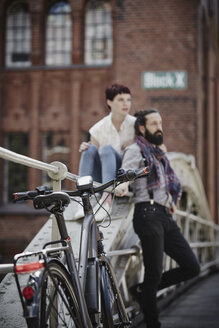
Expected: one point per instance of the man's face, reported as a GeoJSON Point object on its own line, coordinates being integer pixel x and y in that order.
{"type": "Point", "coordinates": [153, 131]}
{"type": "Point", "coordinates": [121, 104]}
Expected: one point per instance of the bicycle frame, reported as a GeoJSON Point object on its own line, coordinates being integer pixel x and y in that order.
{"type": "Point", "coordinates": [87, 275]}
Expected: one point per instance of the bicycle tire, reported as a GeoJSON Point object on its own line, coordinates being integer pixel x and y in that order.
{"type": "Point", "coordinates": [58, 306]}
{"type": "Point", "coordinates": [113, 310]}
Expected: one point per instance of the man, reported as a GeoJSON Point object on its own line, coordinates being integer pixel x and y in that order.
{"type": "Point", "coordinates": [102, 156]}
{"type": "Point", "coordinates": [155, 199]}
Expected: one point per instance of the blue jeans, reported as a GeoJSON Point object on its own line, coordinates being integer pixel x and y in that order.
{"type": "Point", "coordinates": [159, 233]}
{"type": "Point", "coordinates": [102, 167]}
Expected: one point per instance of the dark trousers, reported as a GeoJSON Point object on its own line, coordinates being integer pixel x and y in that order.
{"type": "Point", "coordinates": [159, 233]}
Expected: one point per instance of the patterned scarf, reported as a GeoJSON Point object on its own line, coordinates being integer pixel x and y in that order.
{"type": "Point", "coordinates": [153, 180]}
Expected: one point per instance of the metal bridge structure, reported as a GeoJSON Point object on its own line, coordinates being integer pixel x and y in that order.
{"type": "Point", "coordinates": [121, 243]}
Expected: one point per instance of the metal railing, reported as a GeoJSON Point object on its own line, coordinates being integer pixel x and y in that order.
{"type": "Point", "coordinates": [202, 234]}
{"type": "Point", "coordinates": [57, 171]}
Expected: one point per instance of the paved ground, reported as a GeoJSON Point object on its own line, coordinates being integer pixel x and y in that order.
{"type": "Point", "coordinates": [197, 308]}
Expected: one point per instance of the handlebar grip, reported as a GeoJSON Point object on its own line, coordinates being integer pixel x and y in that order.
{"type": "Point", "coordinates": [130, 175]}
{"type": "Point", "coordinates": [27, 195]}
{"type": "Point", "coordinates": [24, 195]}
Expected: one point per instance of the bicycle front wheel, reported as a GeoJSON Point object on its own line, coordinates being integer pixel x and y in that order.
{"type": "Point", "coordinates": [58, 306]}
{"type": "Point", "coordinates": [113, 309]}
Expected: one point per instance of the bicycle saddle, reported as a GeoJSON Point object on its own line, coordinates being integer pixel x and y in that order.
{"type": "Point", "coordinates": [56, 199]}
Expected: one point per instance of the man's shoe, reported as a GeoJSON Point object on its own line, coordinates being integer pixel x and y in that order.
{"type": "Point", "coordinates": [102, 212]}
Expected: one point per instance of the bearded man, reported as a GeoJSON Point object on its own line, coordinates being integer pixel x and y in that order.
{"type": "Point", "coordinates": [155, 199]}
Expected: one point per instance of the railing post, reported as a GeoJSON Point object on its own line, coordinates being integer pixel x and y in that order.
{"type": "Point", "coordinates": [55, 232]}
{"type": "Point", "coordinates": [187, 227]}
{"type": "Point", "coordinates": [57, 186]}
{"type": "Point", "coordinates": [217, 241]}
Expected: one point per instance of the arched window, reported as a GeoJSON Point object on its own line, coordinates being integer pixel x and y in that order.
{"type": "Point", "coordinates": [98, 33]}
{"type": "Point", "coordinates": [18, 35]}
{"type": "Point", "coordinates": [59, 34]}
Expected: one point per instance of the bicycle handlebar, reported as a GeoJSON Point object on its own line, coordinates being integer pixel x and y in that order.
{"type": "Point", "coordinates": [122, 176]}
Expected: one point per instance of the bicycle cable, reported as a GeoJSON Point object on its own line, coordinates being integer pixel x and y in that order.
{"type": "Point", "coordinates": [101, 205]}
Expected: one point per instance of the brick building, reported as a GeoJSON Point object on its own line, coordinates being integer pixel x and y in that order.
{"type": "Point", "coordinates": [57, 57]}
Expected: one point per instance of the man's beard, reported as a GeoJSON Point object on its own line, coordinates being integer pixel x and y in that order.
{"type": "Point", "coordinates": [154, 138]}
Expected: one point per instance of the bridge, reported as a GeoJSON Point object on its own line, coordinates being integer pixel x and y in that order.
{"type": "Point", "coordinates": [122, 245]}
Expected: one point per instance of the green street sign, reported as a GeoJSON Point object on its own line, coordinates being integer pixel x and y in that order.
{"type": "Point", "coordinates": [164, 80]}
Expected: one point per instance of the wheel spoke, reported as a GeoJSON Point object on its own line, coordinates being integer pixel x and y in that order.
{"type": "Point", "coordinates": [59, 307]}
{"type": "Point", "coordinates": [114, 314]}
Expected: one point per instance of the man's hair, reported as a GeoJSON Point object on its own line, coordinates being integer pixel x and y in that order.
{"type": "Point", "coordinates": [114, 90]}
{"type": "Point", "coordinates": [141, 118]}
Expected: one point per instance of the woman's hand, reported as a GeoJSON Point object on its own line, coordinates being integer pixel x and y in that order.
{"type": "Point", "coordinates": [83, 146]}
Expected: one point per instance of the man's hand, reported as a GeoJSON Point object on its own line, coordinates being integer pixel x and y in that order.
{"type": "Point", "coordinates": [122, 189]}
{"type": "Point", "coordinates": [83, 146]}
{"type": "Point", "coordinates": [172, 208]}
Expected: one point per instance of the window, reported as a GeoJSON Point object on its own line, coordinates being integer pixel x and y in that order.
{"type": "Point", "coordinates": [98, 33]}
{"type": "Point", "coordinates": [16, 175]}
{"type": "Point", "coordinates": [59, 35]}
{"type": "Point", "coordinates": [18, 35]}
